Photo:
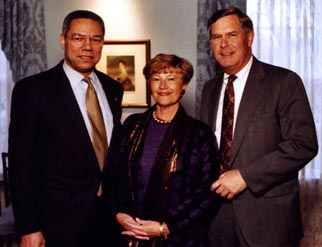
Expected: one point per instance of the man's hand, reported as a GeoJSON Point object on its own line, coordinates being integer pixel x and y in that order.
{"type": "Point", "coordinates": [35, 239]}
{"type": "Point", "coordinates": [229, 184]}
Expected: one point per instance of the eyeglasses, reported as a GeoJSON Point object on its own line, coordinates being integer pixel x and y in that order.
{"type": "Point", "coordinates": [79, 40]}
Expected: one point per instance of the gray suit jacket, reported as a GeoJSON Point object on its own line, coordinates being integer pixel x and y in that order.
{"type": "Point", "coordinates": [274, 138]}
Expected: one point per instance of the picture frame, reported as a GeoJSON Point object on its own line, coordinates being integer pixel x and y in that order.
{"type": "Point", "coordinates": [124, 61]}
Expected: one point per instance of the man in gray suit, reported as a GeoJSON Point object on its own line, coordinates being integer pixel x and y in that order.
{"type": "Point", "coordinates": [273, 137]}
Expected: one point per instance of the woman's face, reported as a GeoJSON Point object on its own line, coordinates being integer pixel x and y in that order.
{"type": "Point", "coordinates": [121, 65]}
{"type": "Point", "coordinates": [166, 88]}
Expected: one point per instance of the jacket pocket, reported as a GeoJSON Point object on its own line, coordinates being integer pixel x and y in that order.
{"type": "Point", "coordinates": [291, 186]}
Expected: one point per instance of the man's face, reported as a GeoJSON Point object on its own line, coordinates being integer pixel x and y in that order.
{"type": "Point", "coordinates": [231, 46]}
{"type": "Point", "coordinates": [83, 45]}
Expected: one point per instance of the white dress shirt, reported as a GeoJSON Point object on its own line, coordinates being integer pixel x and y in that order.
{"type": "Point", "coordinates": [239, 85]}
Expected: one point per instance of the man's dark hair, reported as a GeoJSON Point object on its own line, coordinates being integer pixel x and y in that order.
{"type": "Point", "coordinates": [244, 19]}
{"type": "Point", "coordinates": [78, 14]}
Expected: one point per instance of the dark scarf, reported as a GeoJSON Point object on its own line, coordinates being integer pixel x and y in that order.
{"type": "Point", "coordinates": [156, 199]}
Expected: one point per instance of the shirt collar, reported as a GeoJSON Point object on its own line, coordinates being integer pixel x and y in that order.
{"type": "Point", "coordinates": [74, 76]}
{"type": "Point", "coordinates": [242, 73]}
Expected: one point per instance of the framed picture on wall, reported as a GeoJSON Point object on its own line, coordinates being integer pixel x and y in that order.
{"type": "Point", "coordinates": [124, 61]}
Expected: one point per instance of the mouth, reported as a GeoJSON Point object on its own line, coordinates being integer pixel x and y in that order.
{"type": "Point", "coordinates": [85, 57]}
{"type": "Point", "coordinates": [164, 94]}
{"type": "Point", "coordinates": [226, 54]}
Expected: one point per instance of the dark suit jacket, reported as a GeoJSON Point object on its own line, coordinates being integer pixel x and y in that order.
{"type": "Point", "coordinates": [274, 138]}
{"type": "Point", "coordinates": [54, 172]}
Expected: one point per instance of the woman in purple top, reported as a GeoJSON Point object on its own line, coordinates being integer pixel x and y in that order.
{"type": "Point", "coordinates": [168, 162]}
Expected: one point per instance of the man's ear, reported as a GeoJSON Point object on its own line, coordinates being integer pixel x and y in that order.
{"type": "Point", "coordinates": [62, 41]}
{"type": "Point", "coordinates": [250, 37]}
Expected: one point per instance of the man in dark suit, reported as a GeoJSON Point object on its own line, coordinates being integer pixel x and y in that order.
{"type": "Point", "coordinates": [273, 137]}
{"type": "Point", "coordinates": [59, 187]}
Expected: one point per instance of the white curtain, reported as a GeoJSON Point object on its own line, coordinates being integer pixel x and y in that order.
{"type": "Point", "coordinates": [288, 34]}
{"type": "Point", "coordinates": [6, 85]}
{"type": "Point", "coordinates": [22, 51]}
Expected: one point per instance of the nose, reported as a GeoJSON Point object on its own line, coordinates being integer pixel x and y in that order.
{"type": "Point", "coordinates": [88, 43]}
{"type": "Point", "coordinates": [223, 41]}
{"type": "Point", "coordinates": [163, 84]}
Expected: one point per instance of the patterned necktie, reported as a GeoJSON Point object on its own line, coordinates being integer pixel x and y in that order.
{"type": "Point", "coordinates": [99, 138]}
{"type": "Point", "coordinates": [227, 124]}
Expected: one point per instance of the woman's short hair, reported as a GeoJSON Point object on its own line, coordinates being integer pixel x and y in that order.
{"type": "Point", "coordinates": [169, 63]}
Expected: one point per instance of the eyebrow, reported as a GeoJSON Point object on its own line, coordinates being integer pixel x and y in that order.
{"type": "Point", "coordinates": [85, 35]}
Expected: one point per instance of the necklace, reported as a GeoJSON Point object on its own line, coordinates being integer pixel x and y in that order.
{"type": "Point", "coordinates": [158, 120]}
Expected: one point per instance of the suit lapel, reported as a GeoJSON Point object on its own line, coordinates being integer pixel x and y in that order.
{"type": "Point", "coordinates": [214, 100]}
{"type": "Point", "coordinates": [68, 109]}
{"type": "Point", "coordinates": [113, 91]}
{"type": "Point", "coordinates": [253, 91]}
{"type": "Point", "coordinates": [114, 100]}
